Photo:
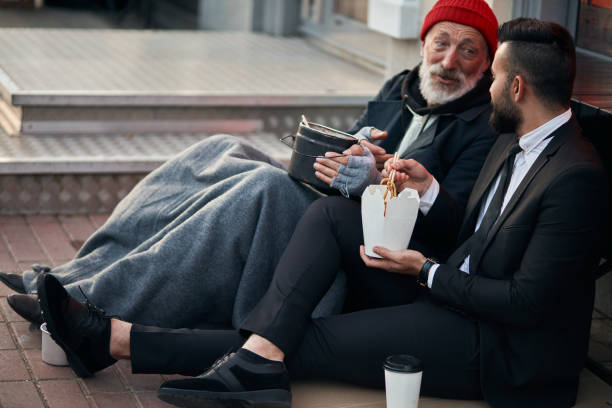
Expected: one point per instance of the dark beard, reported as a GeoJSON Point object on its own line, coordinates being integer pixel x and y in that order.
{"type": "Point", "coordinates": [505, 117]}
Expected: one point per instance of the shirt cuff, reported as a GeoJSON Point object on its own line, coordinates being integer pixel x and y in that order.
{"type": "Point", "coordinates": [432, 272]}
{"type": "Point", "coordinates": [429, 197]}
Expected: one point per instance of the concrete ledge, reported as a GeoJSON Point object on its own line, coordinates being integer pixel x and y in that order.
{"type": "Point", "coordinates": [108, 153]}
{"type": "Point", "coordinates": [90, 173]}
{"type": "Point", "coordinates": [593, 393]}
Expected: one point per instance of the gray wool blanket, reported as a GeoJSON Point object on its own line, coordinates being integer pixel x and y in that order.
{"type": "Point", "coordinates": [195, 242]}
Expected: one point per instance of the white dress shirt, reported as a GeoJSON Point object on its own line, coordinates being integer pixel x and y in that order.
{"type": "Point", "coordinates": [532, 144]}
{"type": "Point", "coordinates": [418, 125]}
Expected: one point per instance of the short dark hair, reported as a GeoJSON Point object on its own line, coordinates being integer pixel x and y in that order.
{"type": "Point", "coordinates": [544, 53]}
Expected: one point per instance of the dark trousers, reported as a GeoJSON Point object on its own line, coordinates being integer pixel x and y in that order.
{"type": "Point", "coordinates": [385, 315]}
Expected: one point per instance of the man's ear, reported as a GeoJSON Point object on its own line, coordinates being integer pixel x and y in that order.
{"type": "Point", "coordinates": [518, 88]}
{"type": "Point", "coordinates": [421, 49]}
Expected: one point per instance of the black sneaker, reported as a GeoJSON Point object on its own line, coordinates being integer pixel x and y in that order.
{"type": "Point", "coordinates": [238, 380]}
{"type": "Point", "coordinates": [82, 331]}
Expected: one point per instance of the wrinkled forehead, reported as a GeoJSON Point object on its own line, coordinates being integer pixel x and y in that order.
{"type": "Point", "coordinates": [456, 33]}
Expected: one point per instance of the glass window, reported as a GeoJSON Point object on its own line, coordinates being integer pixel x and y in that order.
{"type": "Point", "coordinates": [343, 25]}
{"type": "Point", "coordinates": [353, 9]}
{"type": "Point", "coordinates": [595, 26]}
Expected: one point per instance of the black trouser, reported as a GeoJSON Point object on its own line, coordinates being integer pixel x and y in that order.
{"type": "Point", "coordinates": [350, 346]}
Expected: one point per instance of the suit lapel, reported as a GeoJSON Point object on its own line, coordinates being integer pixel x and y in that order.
{"type": "Point", "coordinates": [559, 137]}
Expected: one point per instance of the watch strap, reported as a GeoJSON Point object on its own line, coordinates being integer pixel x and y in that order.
{"type": "Point", "coordinates": [423, 275]}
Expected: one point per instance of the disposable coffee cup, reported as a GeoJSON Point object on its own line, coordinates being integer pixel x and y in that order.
{"type": "Point", "coordinates": [403, 381]}
{"type": "Point", "coordinates": [391, 226]}
{"type": "Point", "coordinates": [51, 352]}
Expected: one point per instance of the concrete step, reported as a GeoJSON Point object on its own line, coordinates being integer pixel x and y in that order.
{"type": "Point", "coordinates": [100, 81]}
{"type": "Point", "coordinates": [79, 174]}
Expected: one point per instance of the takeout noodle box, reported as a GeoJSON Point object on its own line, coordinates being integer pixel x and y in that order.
{"type": "Point", "coordinates": [393, 230]}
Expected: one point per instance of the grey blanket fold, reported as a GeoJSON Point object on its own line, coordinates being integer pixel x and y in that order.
{"type": "Point", "coordinates": [195, 242]}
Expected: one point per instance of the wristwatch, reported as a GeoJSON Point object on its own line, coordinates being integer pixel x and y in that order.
{"type": "Point", "coordinates": [423, 275]}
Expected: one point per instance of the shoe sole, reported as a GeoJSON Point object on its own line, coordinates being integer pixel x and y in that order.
{"type": "Point", "coordinates": [207, 399]}
{"type": "Point", "coordinates": [75, 362]}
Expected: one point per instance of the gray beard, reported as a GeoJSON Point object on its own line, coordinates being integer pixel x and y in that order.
{"type": "Point", "coordinates": [435, 93]}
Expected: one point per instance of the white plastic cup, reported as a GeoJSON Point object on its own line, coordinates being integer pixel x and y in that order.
{"type": "Point", "coordinates": [51, 352]}
{"type": "Point", "coordinates": [403, 381]}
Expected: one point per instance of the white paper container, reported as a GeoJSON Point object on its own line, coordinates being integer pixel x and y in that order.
{"type": "Point", "coordinates": [402, 389]}
{"type": "Point", "coordinates": [394, 230]}
{"type": "Point", "coordinates": [51, 352]}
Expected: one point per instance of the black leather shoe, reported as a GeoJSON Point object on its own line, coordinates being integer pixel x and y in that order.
{"type": "Point", "coordinates": [13, 281]}
{"type": "Point", "coordinates": [82, 331]}
{"type": "Point", "coordinates": [237, 380]}
{"type": "Point", "coordinates": [26, 306]}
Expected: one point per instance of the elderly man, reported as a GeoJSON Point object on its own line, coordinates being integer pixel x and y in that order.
{"type": "Point", "coordinates": [197, 241]}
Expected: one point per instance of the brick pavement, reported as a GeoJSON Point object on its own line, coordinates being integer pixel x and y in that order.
{"type": "Point", "coordinates": [26, 381]}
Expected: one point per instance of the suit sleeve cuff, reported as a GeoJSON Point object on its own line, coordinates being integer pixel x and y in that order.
{"type": "Point", "coordinates": [429, 197]}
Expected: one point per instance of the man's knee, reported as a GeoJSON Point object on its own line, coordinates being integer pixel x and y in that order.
{"type": "Point", "coordinates": [335, 207]}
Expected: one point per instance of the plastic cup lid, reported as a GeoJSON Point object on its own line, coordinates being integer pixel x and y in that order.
{"type": "Point", "coordinates": [403, 363]}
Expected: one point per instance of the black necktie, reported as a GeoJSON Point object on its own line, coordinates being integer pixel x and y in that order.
{"type": "Point", "coordinates": [474, 245]}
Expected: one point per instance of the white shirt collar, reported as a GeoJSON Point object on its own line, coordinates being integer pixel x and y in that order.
{"type": "Point", "coordinates": [532, 139]}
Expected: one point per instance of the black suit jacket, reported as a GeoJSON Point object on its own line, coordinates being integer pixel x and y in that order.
{"type": "Point", "coordinates": [532, 292]}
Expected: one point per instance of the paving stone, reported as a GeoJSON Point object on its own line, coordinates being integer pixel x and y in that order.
{"type": "Point", "coordinates": [63, 394]}
{"type": "Point", "coordinates": [112, 400]}
{"type": "Point", "coordinates": [139, 382]}
{"type": "Point", "coordinates": [8, 311]}
{"type": "Point", "coordinates": [22, 243]}
{"type": "Point", "coordinates": [149, 399]}
{"type": "Point", "coordinates": [11, 220]}
{"type": "Point", "coordinates": [28, 339]}
{"type": "Point", "coordinates": [53, 238]}
{"type": "Point", "coordinates": [5, 290]}
{"type": "Point", "coordinates": [168, 377]}
{"type": "Point", "coordinates": [78, 228]}
{"type": "Point", "coordinates": [98, 219]}
{"type": "Point", "coordinates": [44, 371]}
{"type": "Point", "coordinates": [12, 366]}
{"type": "Point", "coordinates": [7, 262]}
{"type": "Point", "coordinates": [601, 331]}
{"type": "Point", "coordinates": [107, 380]}
{"type": "Point", "coordinates": [20, 394]}
{"type": "Point", "coordinates": [6, 341]}
{"type": "Point", "coordinates": [600, 352]}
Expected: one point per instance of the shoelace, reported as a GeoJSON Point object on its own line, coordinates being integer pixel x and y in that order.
{"type": "Point", "coordinates": [221, 361]}
{"type": "Point", "coordinates": [93, 309]}
{"type": "Point", "coordinates": [218, 363]}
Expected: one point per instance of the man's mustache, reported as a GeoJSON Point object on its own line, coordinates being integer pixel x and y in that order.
{"type": "Point", "coordinates": [445, 73]}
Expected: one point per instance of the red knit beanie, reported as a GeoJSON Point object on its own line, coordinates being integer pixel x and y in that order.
{"type": "Point", "coordinates": [473, 13]}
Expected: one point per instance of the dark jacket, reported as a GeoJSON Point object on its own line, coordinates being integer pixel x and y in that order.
{"type": "Point", "coordinates": [532, 291]}
{"type": "Point", "coordinates": [453, 149]}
